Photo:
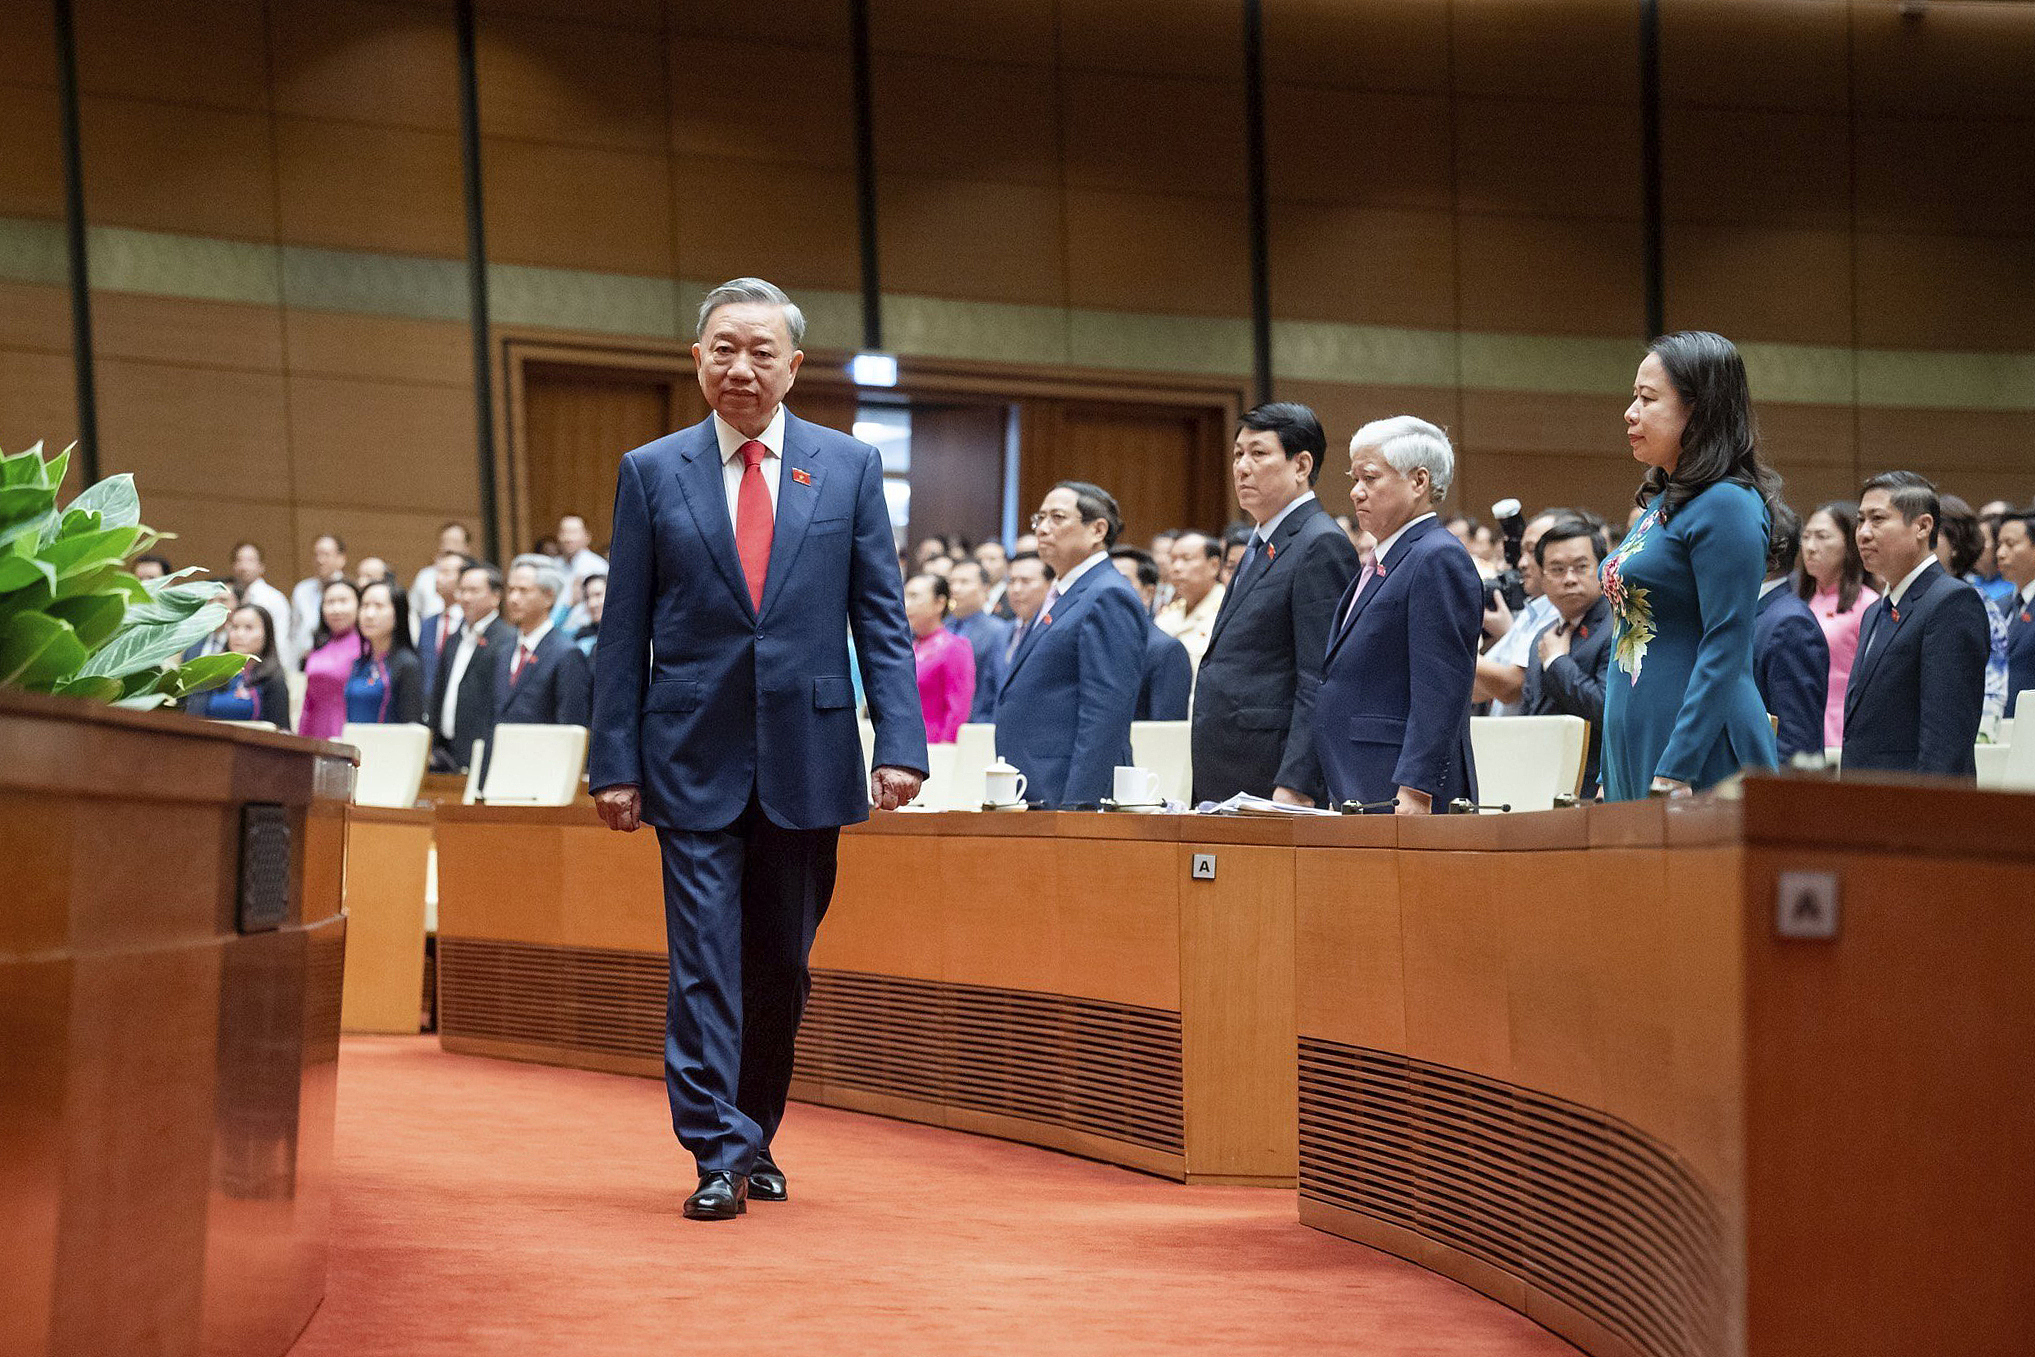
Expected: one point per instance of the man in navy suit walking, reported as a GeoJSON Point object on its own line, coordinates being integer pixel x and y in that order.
{"type": "Point", "coordinates": [1918, 687]}
{"type": "Point", "coordinates": [746, 550]}
{"type": "Point", "coordinates": [1392, 719]}
{"type": "Point", "coordinates": [1070, 691]}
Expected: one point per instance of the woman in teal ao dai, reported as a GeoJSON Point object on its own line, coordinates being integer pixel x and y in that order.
{"type": "Point", "coordinates": [1681, 709]}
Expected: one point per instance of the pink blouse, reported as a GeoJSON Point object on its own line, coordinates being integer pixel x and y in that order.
{"type": "Point", "coordinates": [1841, 631]}
{"type": "Point", "coordinates": [946, 682]}
{"type": "Point", "coordinates": [326, 670]}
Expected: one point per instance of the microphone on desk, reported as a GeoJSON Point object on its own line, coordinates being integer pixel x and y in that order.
{"type": "Point", "coordinates": [1462, 805]}
{"type": "Point", "coordinates": [1362, 807]}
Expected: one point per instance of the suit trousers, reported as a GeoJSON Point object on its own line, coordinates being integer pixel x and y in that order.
{"type": "Point", "coordinates": [741, 906]}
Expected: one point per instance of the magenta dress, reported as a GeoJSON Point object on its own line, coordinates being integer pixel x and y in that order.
{"type": "Point", "coordinates": [946, 664]}
{"type": "Point", "coordinates": [1841, 631]}
{"type": "Point", "coordinates": [326, 670]}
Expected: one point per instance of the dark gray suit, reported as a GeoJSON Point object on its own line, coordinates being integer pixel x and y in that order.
{"type": "Point", "coordinates": [1254, 693]}
{"type": "Point", "coordinates": [1918, 687]}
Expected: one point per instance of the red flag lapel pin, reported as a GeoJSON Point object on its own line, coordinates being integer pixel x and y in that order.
{"type": "Point", "coordinates": [801, 475]}
{"type": "Point", "coordinates": [1583, 632]}
{"type": "Point", "coordinates": [1271, 552]}
{"type": "Point", "coordinates": [1045, 619]}
{"type": "Point", "coordinates": [1895, 613]}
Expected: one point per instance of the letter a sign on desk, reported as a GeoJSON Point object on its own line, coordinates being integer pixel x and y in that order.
{"type": "Point", "coordinates": [1805, 906]}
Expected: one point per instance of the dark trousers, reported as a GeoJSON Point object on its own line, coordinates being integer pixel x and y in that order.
{"type": "Point", "coordinates": [741, 906]}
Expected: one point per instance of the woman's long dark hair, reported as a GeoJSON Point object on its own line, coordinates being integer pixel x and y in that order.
{"type": "Point", "coordinates": [1844, 514]}
{"type": "Point", "coordinates": [267, 664]}
{"type": "Point", "coordinates": [1721, 440]}
{"type": "Point", "coordinates": [399, 601]}
{"type": "Point", "coordinates": [324, 633]}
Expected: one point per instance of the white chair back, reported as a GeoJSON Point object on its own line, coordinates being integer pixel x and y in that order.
{"type": "Point", "coordinates": [392, 759]}
{"type": "Point", "coordinates": [939, 779]}
{"type": "Point", "coordinates": [246, 725]}
{"type": "Point", "coordinates": [974, 750]}
{"type": "Point", "coordinates": [534, 765]}
{"type": "Point", "coordinates": [1992, 764]}
{"type": "Point", "coordinates": [1166, 748]}
{"type": "Point", "coordinates": [868, 745]}
{"type": "Point", "coordinates": [2017, 765]}
{"type": "Point", "coordinates": [295, 681]}
{"type": "Point", "coordinates": [1526, 761]}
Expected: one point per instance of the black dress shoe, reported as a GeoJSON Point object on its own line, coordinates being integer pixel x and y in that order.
{"type": "Point", "coordinates": [721, 1196]}
{"type": "Point", "coordinates": [766, 1182]}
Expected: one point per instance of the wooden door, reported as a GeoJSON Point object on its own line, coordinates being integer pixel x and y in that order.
{"type": "Point", "coordinates": [957, 470]}
{"type": "Point", "coordinates": [1163, 463]}
{"type": "Point", "coordinates": [577, 424]}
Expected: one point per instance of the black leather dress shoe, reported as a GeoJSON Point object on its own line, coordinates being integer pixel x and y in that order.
{"type": "Point", "coordinates": [721, 1196]}
{"type": "Point", "coordinates": [766, 1182]}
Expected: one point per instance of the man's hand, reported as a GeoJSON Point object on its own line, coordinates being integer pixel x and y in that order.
{"type": "Point", "coordinates": [1555, 642]}
{"type": "Point", "coordinates": [1286, 796]}
{"type": "Point", "coordinates": [620, 807]}
{"type": "Point", "coordinates": [1413, 802]}
{"type": "Point", "coordinates": [1497, 617]}
{"type": "Point", "coordinates": [890, 788]}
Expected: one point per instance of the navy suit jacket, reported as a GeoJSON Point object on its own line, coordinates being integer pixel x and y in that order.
{"type": "Point", "coordinates": [703, 700]}
{"type": "Point", "coordinates": [1394, 705]}
{"type": "Point", "coordinates": [1254, 693]}
{"type": "Point", "coordinates": [2020, 649]}
{"type": "Point", "coordinates": [1063, 715]}
{"type": "Point", "coordinates": [1791, 665]}
{"type": "Point", "coordinates": [1918, 688]}
{"type": "Point", "coordinates": [427, 651]}
{"type": "Point", "coordinates": [1168, 679]}
{"type": "Point", "coordinates": [554, 688]}
{"type": "Point", "coordinates": [1574, 684]}
{"type": "Point", "coordinates": [987, 635]}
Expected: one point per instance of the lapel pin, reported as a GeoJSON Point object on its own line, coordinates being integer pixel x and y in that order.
{"type": "Point", "coordinates": [802, 476]}
{"type": "Point", "coordinates": [1046, 621]}
{"type": "Point", "coordinates": [1583, 632]}
{"type": "Point", "coordinates": [1271, 553]}
{"type": "Point", "coordinates": [1894, 612]}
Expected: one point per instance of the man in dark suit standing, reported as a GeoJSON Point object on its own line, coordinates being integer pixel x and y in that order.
{"type": "Point", "coordinates": [986, 634]}
{"type": "Point", "coordinates": [1566, 667]}
{"type": "Point", "coordinates": [2015, 558]}
{"type": "Point", "coordinates": [746, 550]}
{"type": "Point", "coordinates": [1070, 691]}
{"type": "Point", "coordinates": [1168, 679]}
{"type": "Point", "coordinates": [463, 699]}
{"type": "Point", "coordinates": [1392, 723]}
{"type": "Point", "coordinates": [1790, 655]}
{"type": "Point", "coordinates": [437, 634]}
{"type": "Point", "coordinates": [542, 679]}
{"type": "Point", "coordinates": [1255, 690]}
{"type": "Point", "coordinates": [1918, 687]}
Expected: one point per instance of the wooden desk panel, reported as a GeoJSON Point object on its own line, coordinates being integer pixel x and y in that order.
{"type": "Point", "coordinates": [387, 859]}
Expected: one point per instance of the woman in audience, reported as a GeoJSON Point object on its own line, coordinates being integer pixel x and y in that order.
{"type": "Point", "coordinates": [1832, 583]}
{"type": "Point", "coordinates": [946, 662]}
{"type": "Point", "coordinates": [334, 648]}
{"type": "Point", "coordinates": [1960, 542]}
{"type": "Point", "coordinates": [1682, 710]}
{"type": "Point", "coordinates": [260, 692]}
{"type": "Point", "coordinates": [386, 683]}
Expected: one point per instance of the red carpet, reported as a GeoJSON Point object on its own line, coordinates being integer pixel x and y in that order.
{"type": "Point", "coordinates": [486, 1207]}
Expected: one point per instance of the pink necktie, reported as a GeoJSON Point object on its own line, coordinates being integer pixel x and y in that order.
{"type": "Point", "coordinates": [1364, 578]}
{"type": "Point", "coordinates": [754, 520]}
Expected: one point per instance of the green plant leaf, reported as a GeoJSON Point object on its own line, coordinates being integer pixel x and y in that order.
{"type": "Point", "coordinates": [23, 468]}
{"type": "Point", "coordinates": [26, 534]}
{"type": "Point", "coordinates": [94, 581]}
{"type": "Point", "coordinates": [20, 503]}
{"type": "Point", "coordinates": [206, 671]}
{"type": "Point", "coordinates": [149, 647]}
{"type": "Point", "coordinates": [94, 617]}
{"type": "Point", "coordinates": [89, 550]}
{"type": "Point", "coordinates": [91, 689]}
{"type": "Point", "coordinates": [53, 470]}
{"type": "Point", "coordinates": [140, 681]}
{"type": "Point", "coordinates": [18, 572]}
{"type": "Point", "coordinates": [174, 603]}
{"type": "Point", "coordinates": [145, 702]}
{"type": "Point", "coordinates": [37, 651]}
{"type": "Point", "coordinates": [114, 500]}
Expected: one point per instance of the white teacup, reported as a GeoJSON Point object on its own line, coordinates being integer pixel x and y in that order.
{"type": "Point", "coordinates": [1137, 787]}
{"type": "Point", "coordinates": [1002, 784]}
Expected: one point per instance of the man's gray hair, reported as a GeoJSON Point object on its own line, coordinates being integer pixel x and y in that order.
{"type": "Point", "coordinates": [1406, 442]}
{"type": "Point", "coordinates": [738, 290]}
{"type": "Point", "coordinates": [549, 577]}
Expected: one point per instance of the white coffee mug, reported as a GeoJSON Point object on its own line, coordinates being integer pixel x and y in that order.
{"type": "Point", "coordinates": [1002, 784]}
{"type": "Point", "coordinates": [1137, 787]}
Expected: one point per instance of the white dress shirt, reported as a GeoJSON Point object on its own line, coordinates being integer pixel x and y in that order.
{"type": "Point", "coordinates": [469, 641]}
{"type": "Point", "coordinates": [272, 601]}
{"type": "Point", "coordinates": [1900, 591]}
{"type": "Point", "coordinates": [732, 464]}
{"type": "Point", "coordinates": [530, 640]}
{"type": "Point", "coordinates": [1066, 582]}
{"type": "Point", "coordinates": [1266, 529]}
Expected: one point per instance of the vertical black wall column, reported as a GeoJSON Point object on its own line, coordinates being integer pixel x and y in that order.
{"type": "Point", "coordinates": [477, 276]}
{"type": "Point", "coordinates": [1650, 164]}
{"type": "Point", "coordinates": [74, 239]}
{"type": "Point", "coordinates": [865, 174]}
{"type": "Point", "coordinates": [1254, 163]}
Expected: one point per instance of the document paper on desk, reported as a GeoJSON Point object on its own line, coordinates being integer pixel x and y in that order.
{"type": "Point", "coordinates": [1243, 803]}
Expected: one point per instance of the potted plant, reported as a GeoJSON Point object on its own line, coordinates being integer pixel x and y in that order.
{"type": "Point", "coordinates": [74, 620]}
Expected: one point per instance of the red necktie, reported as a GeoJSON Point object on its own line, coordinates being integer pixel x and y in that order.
{"type": "Point", "coordinates": [516, 669]}
{"type": "Point", "coordinates": [754, 520]}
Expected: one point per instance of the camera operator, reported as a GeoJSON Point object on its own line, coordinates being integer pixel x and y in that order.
{"type": "Point", "coordinates": [1501, 669]}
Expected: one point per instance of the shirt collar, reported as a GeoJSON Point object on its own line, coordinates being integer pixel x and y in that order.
{"type": "Point", "coordinates": [1769, 586]}
{"type": "Point", "coordinates": [1066, 581]}
{"type": "Point", "coordinates": [732, 438]}
{"type": "Point", "coordinates": [530, 641]}
{"type": "Point", "coordinates": [476, 628]}
{"type": "Point", "coordinates": [1266, 530]}
{"type": "Point", "coordinates": [1384, 548]}
{"type": "Point", "coordinates": [1900, 591]}
{"type": "Point", "coordinates": [2026, 593]}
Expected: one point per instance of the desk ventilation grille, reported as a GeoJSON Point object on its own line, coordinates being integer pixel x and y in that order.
{"type": "Point", "coordinates": [1576, 1204]}
{"type": "Point", "coordinates": [580, 998]}
{"type": "Point", "coordinates": [1086, 1065]}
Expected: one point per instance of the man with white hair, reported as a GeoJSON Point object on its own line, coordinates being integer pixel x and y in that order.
{"type": "Point", "coordinates": [542, 679]}
{"type": "Point", "coordinates": [1392, 719]}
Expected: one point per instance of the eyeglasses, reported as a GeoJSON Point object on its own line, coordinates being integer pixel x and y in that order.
{"type": "Point", "coordinates": [1053, 516]}
{"type": "Point", "coordinates": [1579, 571]}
